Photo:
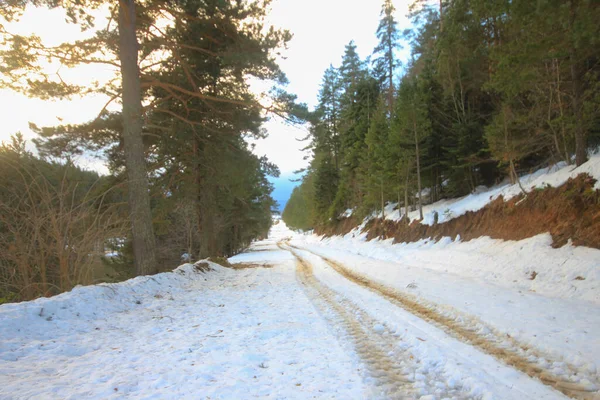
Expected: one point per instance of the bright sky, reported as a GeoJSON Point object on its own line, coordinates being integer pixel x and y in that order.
{"type": "Point", "coordinates": [321, 29]}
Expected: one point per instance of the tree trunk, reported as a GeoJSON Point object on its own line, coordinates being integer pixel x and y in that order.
{"type": "Point", "coordinates": [139, 199]}
{"type": "Point", "coordinates": [418, 168]}
{"type": "Point", "coordinates": [382, 201]}
{"type": "Point", "coordinates": [391, 77]}
{"type": "Point", "coordinates": [560, 107]}
{"type": "Point", "coordinates": [516, 177]}
{"type": "Point", "coordinates": [203, 250]}
{"type": "Point", "coordinates": [406, 193]}
{"type": "Point", "coordinates": [580, 134]}
{"type": "Point", "coordinates": [399, 201]}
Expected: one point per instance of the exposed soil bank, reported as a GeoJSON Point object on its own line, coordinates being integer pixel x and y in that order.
{"type": "Point", "coordinates": [340, 227]}
{"type": "Point", "coordinates": [571, 211]}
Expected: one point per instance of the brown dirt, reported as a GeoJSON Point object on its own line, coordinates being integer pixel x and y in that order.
{"type": "Point", "coordinates": [250, 265]}
{"type": "Point", "coordinates": [341, 227]}
{"type": "Point", "coordinates": [571, 211]}
{"type": "Point", "coordinates": [222, 261]}
{"type": "Point", "coordinates": [202, 266]}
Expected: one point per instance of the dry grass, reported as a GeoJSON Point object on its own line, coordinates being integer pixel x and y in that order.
{"type": "Point", "coordinates": [51, 239]}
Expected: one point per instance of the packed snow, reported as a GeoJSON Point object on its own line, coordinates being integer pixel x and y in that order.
{"type": "Point", "coordinates": [531, 265]}
{"type": "Point", "coordinates": [491, 280]}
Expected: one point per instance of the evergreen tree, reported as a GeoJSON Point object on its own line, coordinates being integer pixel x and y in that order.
{"type": "Point", "coordinates": [412, 125]}
{"type": "Point", "coordinates": [31, 78]}
{"type": "Point", "coordinates": [327, 133]}
{"type": "Point", "coordinates": [378, 167]}
{"type": "Point", "coordinates": [385, 62]}
{"type": "Point", "coordinates": [351, 70]}
{"type": "Point", "coordinates": [200, 109]}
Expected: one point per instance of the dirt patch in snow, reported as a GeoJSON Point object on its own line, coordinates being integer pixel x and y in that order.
{"type": "Point", "coordinates": [250, 265]}
{"type": "Point", "coordinates": [571, 211]}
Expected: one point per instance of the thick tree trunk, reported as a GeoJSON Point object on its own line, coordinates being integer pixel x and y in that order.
{"type": "Point", "coordinates": [203, 250]}
{"type": "Point", "coordinates": [139, 199]}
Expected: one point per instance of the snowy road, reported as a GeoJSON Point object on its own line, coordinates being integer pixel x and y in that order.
{"type": "Point", "coordinates": [294, 321]}
{"type": "Point", "coordinates": [472, 331]}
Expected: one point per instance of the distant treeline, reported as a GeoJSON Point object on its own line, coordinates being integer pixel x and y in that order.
{"type": "Point", "coordinates": [493, 89]}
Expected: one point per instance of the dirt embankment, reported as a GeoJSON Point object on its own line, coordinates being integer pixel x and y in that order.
{"type": "Point", "coordinates": [571, 211]}
{"type": "Point", "coordinates": [341, 227]}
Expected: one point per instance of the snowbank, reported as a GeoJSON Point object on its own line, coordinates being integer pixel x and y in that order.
{"type": "Point", "coordinates": [531, 265]}
{"type": "Point", "coordinates": [83, 303]}
{"type": "Point", "coordinates": [452, 208]}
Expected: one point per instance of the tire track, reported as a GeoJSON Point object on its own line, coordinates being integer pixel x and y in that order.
{"type": "Point", "coordinates": [392, 368]}
{"type": "Point", "coordinates": [496, 344]}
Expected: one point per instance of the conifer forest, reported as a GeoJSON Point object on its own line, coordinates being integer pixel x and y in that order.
{"type": "Point", "coordinates": [493, 89]}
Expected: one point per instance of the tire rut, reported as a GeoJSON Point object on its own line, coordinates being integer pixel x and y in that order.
{"type": "Point", "coordinates": [392, 368]}
{"type": "Point", "coordinates": [501, 346]}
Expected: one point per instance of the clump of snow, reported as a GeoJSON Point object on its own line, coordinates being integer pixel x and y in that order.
{"type": "Point", "coordinates": [451, 208]}
{"type": "Point", "coordinates": [346, 214]}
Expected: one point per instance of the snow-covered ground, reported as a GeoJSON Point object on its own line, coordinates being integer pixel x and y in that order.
{"type": "Point", "coordinates": [309, 317]}
{"type": "Point", "coordinates": [224, 334]}
{"type": "Point", "coordinates": [530, 265]}
{"type": "Point", "coordinates": [452, 208]}
{"type": "Point", "coordinates": [488, 281]}
{"type": "Point", "coordinates": [542, 298]}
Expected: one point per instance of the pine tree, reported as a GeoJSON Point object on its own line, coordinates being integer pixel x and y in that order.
{"type": "Point", "coordinates": [385, 63]}
{"type": "Point", "coordinates": [378, 163]}
{"type": "Point", "coordinates": [200, 107]}
{"type": "Point", "coordinates": [357, 121]}
{"type": "Point", "coordinates": [328, 137]}
{"type": "Point", "coordinates": [351, 70]}
{"type": "Point", "coordinates": [412, 126]}
{"type": "Point", "coordinates": [30, 78]}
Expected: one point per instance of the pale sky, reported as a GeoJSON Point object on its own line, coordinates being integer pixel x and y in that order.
{"type": "Point", "coordinates": [321, 29]}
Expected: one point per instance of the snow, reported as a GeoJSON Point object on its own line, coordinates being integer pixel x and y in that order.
{"type": "Point", "coordinates": [563, 325]}
{"type": "Point", "coordinates": [452, 208]}
{"type": "Point", "coordinates": [443, 362]}
{"type": "Point", "coordinates": [284, 327]}
{"type": "Point", "coordinates": [568, 272]}
{"type": "Point", "coordinates": [545, 298]}
{"type": "Point", "coordinates": [223, 334]}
